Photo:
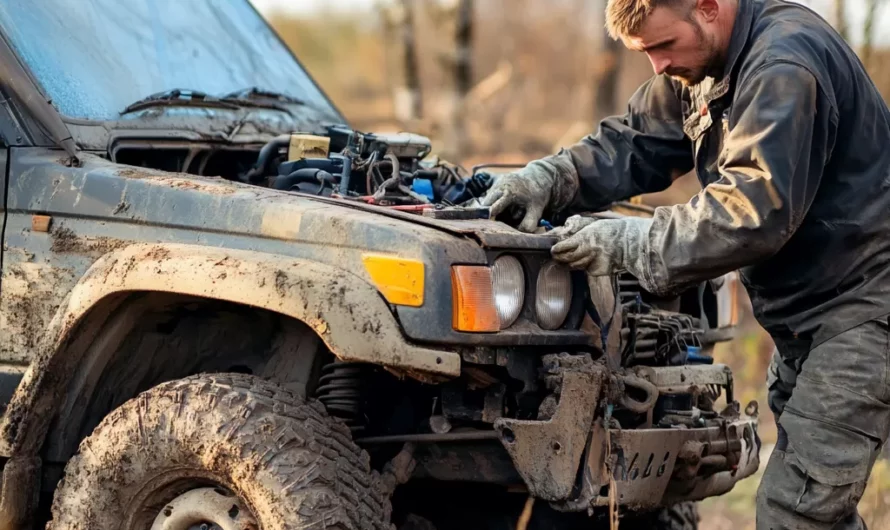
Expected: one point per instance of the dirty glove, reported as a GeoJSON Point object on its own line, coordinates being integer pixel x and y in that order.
{"type": "Point", "coordinates": [572, 226]}
{"type": "Point", "coordinates": [547, 184]}
{"type": "Point", "coordinates": [604, 247]}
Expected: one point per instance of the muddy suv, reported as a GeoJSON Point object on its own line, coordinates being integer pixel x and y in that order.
{"type": "Point", "coordinates": [221, 307]}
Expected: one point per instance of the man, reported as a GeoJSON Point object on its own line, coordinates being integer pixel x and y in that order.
{"type": "Point", "coordinates": [791, 143]}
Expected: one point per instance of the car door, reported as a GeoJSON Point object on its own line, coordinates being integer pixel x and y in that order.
{"type": "Point", "coordinates": [10, 372]}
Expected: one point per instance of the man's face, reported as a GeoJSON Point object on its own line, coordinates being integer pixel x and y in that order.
{"type": "Point", "coordinates": [677, 45]}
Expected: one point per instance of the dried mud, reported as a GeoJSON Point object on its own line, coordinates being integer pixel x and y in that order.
{"type": "Point", "coordinates": [232, 430]}
{"type": "Point", "coordinates": [193, 183]}
{"type": "Point", "coordinates": [28, 305]}
{"type": "Point", "coordinates": [65, 241]}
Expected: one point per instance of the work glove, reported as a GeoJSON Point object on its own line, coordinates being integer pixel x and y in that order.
{"type": "Point", "coordinates": [547, 184]}
{"type": "Point", "coordinates": [603, 247]}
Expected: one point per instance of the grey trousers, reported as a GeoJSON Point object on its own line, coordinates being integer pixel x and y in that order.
{"type": "Point", "coordinates": [833, 409]}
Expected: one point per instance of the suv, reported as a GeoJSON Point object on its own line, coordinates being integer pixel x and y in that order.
{"type": "Point", "coordinates": [221, 307]}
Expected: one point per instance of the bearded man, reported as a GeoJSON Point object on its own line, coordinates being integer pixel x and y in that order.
{"type": "Point", "coordinates": [790, 141]}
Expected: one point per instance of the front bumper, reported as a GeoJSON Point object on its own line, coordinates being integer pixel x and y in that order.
{"type": "Point", "coordinates": [575, 463]}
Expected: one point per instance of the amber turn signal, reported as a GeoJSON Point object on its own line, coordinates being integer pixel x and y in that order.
{"type": "Point", "coordinates": [400, 280]}
{"type": "Point", "coordinates": [474, 308]}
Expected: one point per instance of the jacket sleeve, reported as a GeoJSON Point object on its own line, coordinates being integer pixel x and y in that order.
{"type": "Point", "coordinates": [632, 154]}
{"type": "Point", "coordinates": [781, 132]}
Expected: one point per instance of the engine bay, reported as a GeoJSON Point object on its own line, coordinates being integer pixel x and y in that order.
{"type": "Point", "coordinates": [389, 170]}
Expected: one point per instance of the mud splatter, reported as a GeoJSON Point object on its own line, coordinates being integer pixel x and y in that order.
{"type": "Point", "coordinates": [281, 283]}
{"type": "Point", "coordinates": [27, 307]}
{"type": "Point", "coordinates": [66, 241]}
{"type": "Point", "coordinates": [122, 207]}
{"type": "Point", "coordinates": [158, 254]}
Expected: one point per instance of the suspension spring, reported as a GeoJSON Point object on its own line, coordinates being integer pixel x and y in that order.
{"type": "Point", "coordinates": [340, 391]}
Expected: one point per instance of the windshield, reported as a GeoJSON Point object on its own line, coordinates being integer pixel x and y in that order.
{"type": "Point", "coordinates": [95, 57]}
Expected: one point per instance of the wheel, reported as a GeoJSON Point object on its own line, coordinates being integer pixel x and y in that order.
{"type": "Point", "coordinates": [682, 516]}
{"type": "Point", "coordinates": [229, 452]}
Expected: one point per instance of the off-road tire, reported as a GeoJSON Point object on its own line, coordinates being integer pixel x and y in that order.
{"type": "Point", "coordinates": [682, 516]}
{"type": "Point", "coordinates": [294, 466]}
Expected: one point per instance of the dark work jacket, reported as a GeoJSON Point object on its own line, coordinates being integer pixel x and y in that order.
{"type": "Point", "coordinates": [792, 148]}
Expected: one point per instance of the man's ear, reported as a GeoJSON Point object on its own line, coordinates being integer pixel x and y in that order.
{"type": "Point", "coordinates": [707, 9]}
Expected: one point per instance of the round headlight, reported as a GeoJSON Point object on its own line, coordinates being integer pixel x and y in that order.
{"type": "Point", "coordinates": [553, 295]}
{"type": "Point", "coordinates": [507, 289]}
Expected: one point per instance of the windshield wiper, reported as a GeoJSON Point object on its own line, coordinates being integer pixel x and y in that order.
{"type": "Point", "coordinates": [180, 97]}
{"type": "Point", "coordinates": [254, 93]}
{"type": "Point", "coordinates": [251, 97]}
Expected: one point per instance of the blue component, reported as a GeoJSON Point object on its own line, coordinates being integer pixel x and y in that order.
{"type": "Point", "coordinates": [693, 355]}
{"type": "Point", "coordinates": [545, 224]}
{"type": "Point", "coordinates": [423, 187]}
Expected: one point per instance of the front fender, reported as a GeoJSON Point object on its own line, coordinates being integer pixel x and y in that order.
{"type": "Point", "coordinates": [348, 313]}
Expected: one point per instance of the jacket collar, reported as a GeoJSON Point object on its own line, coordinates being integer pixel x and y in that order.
{"type": "Point", "coordinates": [741, 33]}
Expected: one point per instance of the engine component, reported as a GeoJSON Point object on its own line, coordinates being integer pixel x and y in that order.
{"type": "Point", "coordinates": [382, 169]}
{"type": "Point", "coordinates": [308, 146]}
{"type": "Point", "coordinates": [454, 214]}
{"type": "Point", "coordinates": [652, 335]}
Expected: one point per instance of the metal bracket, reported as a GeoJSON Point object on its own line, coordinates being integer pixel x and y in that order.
{"type": "Point", "coordinates": [547, 454]}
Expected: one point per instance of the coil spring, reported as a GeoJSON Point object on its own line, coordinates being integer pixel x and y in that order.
{"type": "Point", "coordinates": [340, 391]}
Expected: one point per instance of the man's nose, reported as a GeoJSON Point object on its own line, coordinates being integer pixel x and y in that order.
{"type": "Point", "coordinates": [659, 63]}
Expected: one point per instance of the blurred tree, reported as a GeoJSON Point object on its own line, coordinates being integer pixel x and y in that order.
{"type": "Point", "coordinates": [840, 18]}
{"type": "Point", "coordinates": [463, 75]}
{"type": "Point", "coordinates": [387, 28]}
{"type": "Point", "coordinates": [607, 72]}
{"type": "Point", "coordinates": [871, 13]}
{"type": "Point", "coordinates": [454, 22]}
{"type": "Point", "coordinates": [408, 100]}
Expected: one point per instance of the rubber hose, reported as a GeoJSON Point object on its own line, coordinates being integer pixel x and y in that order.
{"type": "Point", "coordinates": [265, 157]}
{"type": "Point", "coordinates": [315, 176]}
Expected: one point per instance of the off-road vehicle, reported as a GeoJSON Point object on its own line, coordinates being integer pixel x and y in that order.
{"type": "Point", "coordinates": [222, 307]}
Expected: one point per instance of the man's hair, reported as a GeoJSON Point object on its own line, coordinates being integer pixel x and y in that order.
{"type": "Point", "coordinates": [626, 17]}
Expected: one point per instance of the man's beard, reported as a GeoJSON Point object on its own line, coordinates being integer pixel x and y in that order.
{"type": "Point", "coordinates": [711, 67]}
{"type": "Point", "coordinates": [689, 77]}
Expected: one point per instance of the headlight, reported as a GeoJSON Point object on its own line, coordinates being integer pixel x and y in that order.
{"type": "Point", "coordinates": [507, 289]}
{"type": "Point", "coordinates": [553, 295]}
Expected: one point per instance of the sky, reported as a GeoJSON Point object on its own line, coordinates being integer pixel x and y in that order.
{"type": "Point", "coordinates": [855, 12]}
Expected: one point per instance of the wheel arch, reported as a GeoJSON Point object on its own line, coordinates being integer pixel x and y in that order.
{"type": "Point", "coordinates": [349, 316]}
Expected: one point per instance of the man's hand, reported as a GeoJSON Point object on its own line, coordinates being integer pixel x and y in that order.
{"type": "Point", "coordinates": [544, 184]}
{"type": "Point", "coordinates": [572, 226]}
{"type": "Point", "coordinates": [526, 191]}
{"type": "Point", "coordinates": [604, 247]}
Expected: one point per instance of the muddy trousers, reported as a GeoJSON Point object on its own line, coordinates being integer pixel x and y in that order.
{"type": "Point", "coordinates": [833, 408]}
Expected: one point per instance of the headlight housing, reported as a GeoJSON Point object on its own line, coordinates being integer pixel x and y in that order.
{"type": "Point", "coordinates": [507, 289]}
{"type": "Point", "coordinates": [553, 295]}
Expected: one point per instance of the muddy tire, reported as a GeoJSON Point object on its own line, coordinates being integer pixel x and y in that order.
{"type": "Point", "coordinates": [682, 516]}
{"type": "Point", "coordinates": [284, 460]}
